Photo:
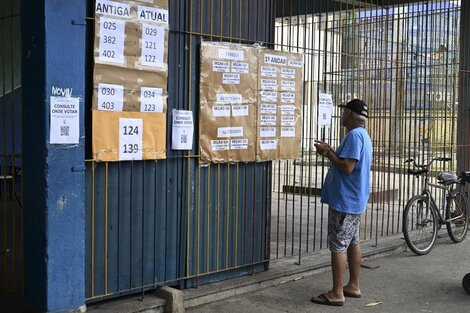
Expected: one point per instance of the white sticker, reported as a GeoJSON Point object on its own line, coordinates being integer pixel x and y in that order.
{"type": "Point", "coordinates": [288, 73]}
{"type": "Point", "coordinates": [287, 120]}
{"type": "Point", "coordinates": [227, 98]}
{"type": "Point", "coordinates": [268, 71]}
{"type": "Point", "coordinates": [130, 138]}
{"type": "Point", "coordinates": [275, 59]}
{"type": "Point", "coordinates": [267, 132]}
{"type": "Point", "coordinates": [268, 144]}
{"type": "Point", "coordinates": [239, 144]}
{"type": "Point", "coordinates": [287, 97]}
{"type": "Point", "coordinates": [287, 109]}
{"type": "Point", "coordinates": [65, 120]}
{"type": "Point", "coordinates": [268, 108]}
{"type": "Point", "coordinates": [152, 14]}
{"type": "Point", "coordinates": [220, 145]}
{"type": "Point", "coordinates": [151, 99]}
{"type": "Point", "coordinates": [112, 40]}
{"type": "Point", "coordinates": [240, 110]}
{"type": "Point", "coordinates": [325, 109]}
{"type": "Point", "coordinates": [288, 85]}
{"type": "Point", "coordinates": [221, 66]}
{"type": "Point", "coordinates": [153, 45]}
{"type": "Point", "coordinates": [221, 110]}
{"type": "Point", "coordinates": [268, 120]}
{"type": "Point", "coordinates": [110, 97]}
{"type": "Point", "coordinates": [295, 63]}
{"type": "Point", "coordinates": [224, 132]}
{"type": "Point", "coordinates": [287, 131]}
{"type": "Point", "coordinates": [112, 8]}
{"type": "Point", "coordinates": [240, 67]}
{"type": "Point", "coordinates": [231, 54]}
{"type": "Point", "coordinates": [231, 79]}
{"type": "Point", "coordinates": [268, 96]}
{"type": "Point", "coordinates": [182, 130]}
{"type": "Point", "coordinates": [268, 84]}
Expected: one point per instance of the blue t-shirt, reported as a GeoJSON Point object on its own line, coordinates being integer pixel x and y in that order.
{"type": "Point", "coordinates": [349, 193]}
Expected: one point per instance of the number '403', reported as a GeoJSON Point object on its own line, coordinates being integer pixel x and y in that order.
{"type": "Point", "coordinates": [130, 130]}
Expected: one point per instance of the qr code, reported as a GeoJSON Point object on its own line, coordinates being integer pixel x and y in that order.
{"type": "Point", "coordinates": [64, 130]}
{"type": "Point", "coordinates": [184, 138]}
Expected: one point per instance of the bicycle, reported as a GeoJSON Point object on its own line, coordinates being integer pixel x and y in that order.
{"type": "Point", "coordinates": [422, 219]}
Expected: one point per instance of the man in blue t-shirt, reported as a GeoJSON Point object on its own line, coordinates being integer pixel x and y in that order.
{"type": "Point", "coordinates": [346, 191]}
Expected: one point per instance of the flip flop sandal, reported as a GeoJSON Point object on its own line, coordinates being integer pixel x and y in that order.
{"type": "Point", "coordinates": [349, 294]}
{"type": "Point", "coordinates": [323, 299]}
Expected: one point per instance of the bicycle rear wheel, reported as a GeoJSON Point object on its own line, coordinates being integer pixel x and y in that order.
{"type": "Point", "coordinates": [419, 225]}
{"type": "Point", "coordinates": [457, 229]}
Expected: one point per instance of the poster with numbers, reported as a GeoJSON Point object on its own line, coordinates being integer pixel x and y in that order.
{"type": "Point", "coordinates": [279, 105]}
{"type": "Point", "coordinates": [227, 102]}
{"type": "Point", "coordinates": [130, 75]}
{"type": "Point", "coordinates": [119, 136]}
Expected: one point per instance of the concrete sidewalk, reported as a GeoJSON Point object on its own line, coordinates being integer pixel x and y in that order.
{"type": "Point", "coordinates": [397, 282]}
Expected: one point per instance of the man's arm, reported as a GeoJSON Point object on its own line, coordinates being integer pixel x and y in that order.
{"type": "Point", "coordinates": [343, 165]}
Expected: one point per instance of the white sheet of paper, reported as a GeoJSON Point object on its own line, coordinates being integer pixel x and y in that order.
{"type": "Point", "coordinates": [151, 99]}
{"type": "Point", "coordinates": [65, 120]}
{"type": "Point", "coordinates": [325, 109]}
{"type": "Point", "coordinates": [130, 138]}
{"type": "Point", "coordinates": [112, 40]}
{"type": "Point", "coordinates": [153, 45]}
{"type": "Point", "coordinates": [270, 144]}
{"type": "Point", "coordinates": [182, 130]}
{"type": "Point", "coordinates": [110, 97]}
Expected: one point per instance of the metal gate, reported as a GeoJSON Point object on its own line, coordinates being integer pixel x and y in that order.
{"type": "Point", "coordinates": [173, 221]}
{"type": "Point", "coordinates": [11, 211]}
{"type": "Point", "coordinates": [401, 59]}
{"type": "Point", "coordinates": [176, 222]}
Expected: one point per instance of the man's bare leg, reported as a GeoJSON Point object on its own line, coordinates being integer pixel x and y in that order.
{"type": "Point", "coordinates": [354, 262]}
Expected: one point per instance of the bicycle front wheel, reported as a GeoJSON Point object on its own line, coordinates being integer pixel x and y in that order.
{"type": "Point", "coordinates": [419, 225]}
{"type": "Point", "coordinates": [457, 208]}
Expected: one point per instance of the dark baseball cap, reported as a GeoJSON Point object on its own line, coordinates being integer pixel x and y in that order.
{"type": "Point", "coordinates": [357, 106]}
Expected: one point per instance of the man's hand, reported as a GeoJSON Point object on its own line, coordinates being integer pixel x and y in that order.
{"type": "Point", "coordinates": [322, 147]}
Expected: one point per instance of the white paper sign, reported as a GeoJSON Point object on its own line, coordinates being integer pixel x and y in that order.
{"type": "Point", "coordinates": [153, 45]}
{"type": "Point", "coordinates": [288, 73]}
{"type": "Point", "coordinates": [221, 110]}
{"type": "Point", "coordinates": [221, 66]}
{"type": "Point", "coordinates": [231, 79]}
{"type": "Point", "coordinates": [231, 54]}
{"type": "Point", "coordinates": [220, 145]}
{"type": "Point", "coordinates": [151, 99]}
{"type": "Point", "coordinates": [228, 98]}
{"type": "Point", "coordinates": [113, 8]}
{"type": "Point", "coordinates": [268, 108]}
{"type": "Point", "coordinates": [287, 131]}
{"type": "Point", "coordinates": [152, 14]}
{"type": "Point", "coordinates": [267, 132]}
{"type": "Point", "coordinates": [130, 138]}
{"type": "Point", "coordinates": [268, 71]}
{"type": "Point", "coordinates": [240, 67]}
{"type": "Point", "coordinates": [65, 120]}
{"type": "Point", "coordinates": [240, 110]}
{"type": "Point", "coordinates": [325, 109]}
{"type": "Point", "coordinates": [268, 144]}
{"type": "Point", "coordinates": [112, 40]}
{"type": "Point", "coordinates": [110, 97]}
{"type": "Point", "coordinates": [225, 132]}
{"type": "Point", "coordinates": [239, 144]}
{"type": "Point", "coordinates": [182, 130]}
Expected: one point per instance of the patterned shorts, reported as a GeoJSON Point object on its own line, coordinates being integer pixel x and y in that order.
{"type": "Point", "coordinates": [343, 230]}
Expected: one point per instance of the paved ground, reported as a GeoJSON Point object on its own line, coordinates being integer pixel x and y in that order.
{"type": "Point", "coordinates": [401, 282]}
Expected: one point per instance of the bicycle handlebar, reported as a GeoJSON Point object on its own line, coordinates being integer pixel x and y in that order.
{"type": "Point", "coordinates": [423, 169]}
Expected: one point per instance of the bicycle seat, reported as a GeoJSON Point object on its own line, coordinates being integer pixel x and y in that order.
{"type": "Point", "coordinates": [447, 178]}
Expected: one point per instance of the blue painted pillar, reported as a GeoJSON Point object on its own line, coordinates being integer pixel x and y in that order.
{"type": "Point", "coordinates": [54, 177]}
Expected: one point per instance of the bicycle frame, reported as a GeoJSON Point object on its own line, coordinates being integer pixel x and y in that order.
{"type": "Point", "coordinates": [447, 196]}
